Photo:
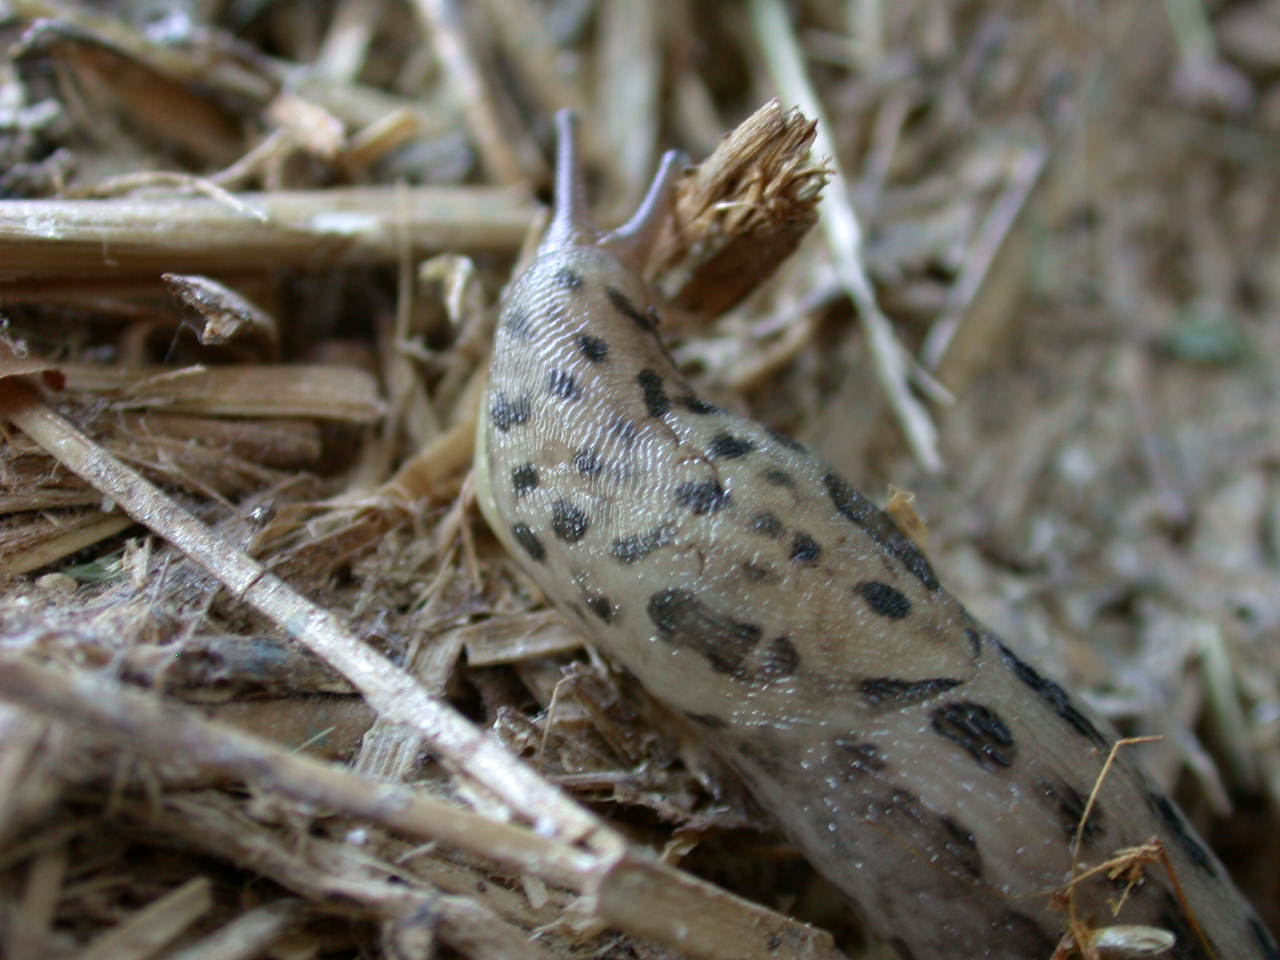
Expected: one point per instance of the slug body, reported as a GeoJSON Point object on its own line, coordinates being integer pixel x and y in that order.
{"type": "Point", "coordinates": [929, 772]}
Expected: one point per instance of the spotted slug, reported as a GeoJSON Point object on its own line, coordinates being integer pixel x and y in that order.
{"type": "Point", "coordinates": [937, 778]}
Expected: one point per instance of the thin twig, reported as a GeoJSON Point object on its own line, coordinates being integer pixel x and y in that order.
{"type": "Point", "coordinates": [1027, 167]}
{"type": "Point", "coordinates": [844, 234]}
{"type": "Point", "coordinates": [152, 729]}
{"type": "Point", "coordinates": [443, 23]}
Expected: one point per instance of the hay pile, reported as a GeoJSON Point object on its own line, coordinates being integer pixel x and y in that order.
{"type": "Point", "coordinates": [253, 628]}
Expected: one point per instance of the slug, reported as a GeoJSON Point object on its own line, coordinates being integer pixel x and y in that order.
{"type": "Point", "coordinates": [938, 779]}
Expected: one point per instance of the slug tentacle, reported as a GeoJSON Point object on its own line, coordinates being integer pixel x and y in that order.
{"type": "Point", "coordinates": [571, 221]}
{"type": "Point", "coordinates": [937, 778]}
{"type": "Point", "coordinates": [571, 224]}
{"type": "Point", "coordinates": [632, 241]}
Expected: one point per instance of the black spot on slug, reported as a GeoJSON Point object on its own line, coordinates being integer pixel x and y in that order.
{"type": "Point", "coordinates": [1068, 805]}
{"type": "Point", "coordinates": [594, 349]}
{"type": "Point", "coordinates": [879, 691]}
{"type": "Point", "coordinates": [755, 573]}
{"type": "Point", "coordinates": [962, 846]}
{"type": "Point", "coordinates": [637, 546]}
{"type": "Point", "coordinates": [684, 620]}
{"type": "Point", "coordinates": [857, 758]}
{"type": "Point", "coordinates": [529, 540]}
{"type": "Point", "coordinates": [789, 442]}
{"type": "Point", "coordinates": [518, 324]}
{"type": "Point", "coordinates": [656, 400]}
{"type": "Point", "coordinates": [702, 497]}
{"type": "Point", "coordinates": [1053, 694]}
{"type": "Point", "coordinates": [726, 446]}
{"type": "Point", "coordinates": [778, 477]}
{"type": "Point", "coordinates": [975, 642]}
{"type": "Point", "coordinates": [766, 524]}
{"type": "Point", "coordinates": [805, 549]}
{"type": "Point", "coordinates": [902, 814]}
{"type": "Point", "coordinates": [1262, 937]}
{"type": "Point", "coordinates": [979, 730]}
{"type": "Point", "coordinates": [623, 304]}
{"type": "Point", "coordinates": [506, 413]}
{"type": "Point", "coordinates": [567, 279]}
{"type": "Point", "coordinates": [569, 523]}
{"type": "Point", "coordinates": [885, 600]}
{"type": "Point", "coordinates": [524, 478]}
{"type": "Point", "coordinates": [780, 658]}
{"type": "Point", "coordinates": [900, 799]}
{"type": "Point", "coordinates": [694, 405]}
{"type": "Point", "coordinates": [1163, 808]}
{"type": "Point", "coordinates": [562, 384]}
{"type": "Point", "coordinates": [587, 462]}
{"type": "Point", "coordinates": [865, 515]}
{"type": "Point", "coordinates": [602, 607]}
{"type": "Point", "coordinates": [1187, 944]}
{"type": "Point", "coordinates": [630, 549]}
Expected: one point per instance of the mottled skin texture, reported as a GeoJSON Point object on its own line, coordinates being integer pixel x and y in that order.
{"type": "Point", "coordinates": [923, 767]}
